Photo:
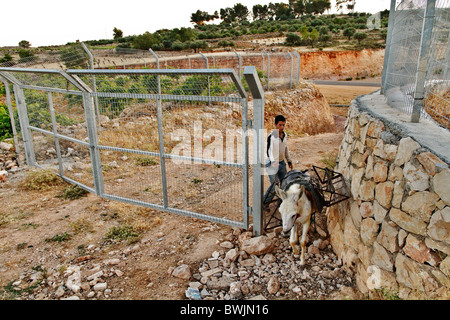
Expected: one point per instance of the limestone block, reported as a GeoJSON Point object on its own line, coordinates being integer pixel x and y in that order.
{"type": "Point", "coordinates": [395, 173]}
{"type": "Point", "coordinates": [418, 251]}
{"type": "Point", "coordinates": [380, 171]}
{"type": "Point", "coordinates": [441, 183]}
{"type": "Point", "coordinates": [390, 150]}
{"type": "Point", "coordinates": [379, 212]}
{"type": "Point", "coordinates": [421, 205]}
{"type": "Point", "coordinates": [405, 221]}
{"type": "Point", "coordinates": [366, 209]}
{"type": "Point", "coordinates": [416, 178]}
{"type": "Point", "coordinates": [406, 147]}
{"type": "Point", "coordinates": [397, 195]}
{"type": "Point", "coordinates": [375, 128]}
{"type": "Point", "coordinates": [388, 237]}
{"type": "Point", "coordinates": [429, 161]}
{"type": "Point", "coordinates": [356, 181]}
{"type": "Point", "coordinates": [367, 190]}
{"type": "Point", "coordinates": [408, 272]}
{"type": "Point", "coordinates": [382, 258]}
{"type": "Point", "coordinates": [439, 227]}
{"type": "Point", "coordinates": [383, 193]}
{"type": "Point", "coordinates": [369, 231]}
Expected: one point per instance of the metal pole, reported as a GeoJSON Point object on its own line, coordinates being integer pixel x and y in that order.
{"type": "Point", "coordinates": [298, 67]}
{"type": "Point", "coordinates": [207, 67]}
{"type": "Point", "coordinates": [268, 68]}
{"type": "Point", "coordinates": [93, 144]}
{"type": "Point", "coordinates": [240, 63]}
{"type": "Point", "coordinates": [424, 56]}
{"type": "Point", "coordinates": [55, 132]}
{"type": "Point", "coordinates": [292, 68]}
{"type": "Point", "coordinates": [159, 115]}
{"type": "Point", "coordinates": [11, 115]}
{"type": "Point", "coordinates": [388, 46]}
{"type": "Point", "coordinates": [257, 91]}
{"type": "Point", "coordinates": [27, 137]}
{"type": "Point", "coordinates": [94, 84]}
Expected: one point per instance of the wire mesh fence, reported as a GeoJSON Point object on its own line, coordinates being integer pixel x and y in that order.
{"type": "Point", "coordinates": [174, 140]}
{"type": "Point", "coordinates": [416, 76]}
{"type": "Point", "coordinates": [276, 69]}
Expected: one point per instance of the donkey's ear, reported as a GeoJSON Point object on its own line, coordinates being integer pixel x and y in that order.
{"type": "Point", "coordinates": [280, 193]}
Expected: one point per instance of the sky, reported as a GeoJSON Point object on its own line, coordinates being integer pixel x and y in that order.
{"type": "Point", "coordinates": [56, 22]}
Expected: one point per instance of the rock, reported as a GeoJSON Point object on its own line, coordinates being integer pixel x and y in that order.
{"type": "Point", "coordinates": [405, 150]}
{"type": "Point", "coordinates": [226, 245]}
{"type": "Point", "coordinates": [273, 285]}
{"type": "Point", "coordinates": [232, 254]}
{"type": "Point", "coordinates": [383, 193]}
{"type": "Point", "coordinates": [222, 283]}
{"type": "Point", "coordinates": [421, 205]}
{"type": "Point", "coordinates": [369, 231]}
{"type": "Point", "coordinates": [388, 237]}
{"type": "Point", "coordinates": [183, 272]}
{"type": "Point", "coordinates": [418, 251]}
{"type": "Point", "coordinates": [407, 222]}
{"type": "Point", "coordinates": [416, 178]}
{"type": "Point", "coordinates": [258, 245]}
{"type": "Point", "coordinates": [235, 289]}
{"type": "Point", "coordinates": [439, 227]}
{"type": "Point", "coordinates": [429, 162]}
{"type": "Point", "coordinates": [441, 181]}
{"type": "Point", "coordinates": [100, 286]}
{"type": "Point", "coordinates": [382, 258]}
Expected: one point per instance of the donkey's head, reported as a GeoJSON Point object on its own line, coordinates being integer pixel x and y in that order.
{"type": "Point", "coordinates": [289, 207]}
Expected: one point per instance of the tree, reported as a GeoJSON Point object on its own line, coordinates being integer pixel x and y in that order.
{"type": "Point", "coordinates": [117, 33]}
{"type": "Point", "coordinates": [292, 39]}
{"type": "Point", "coordinates": [360, 36]}
{"type": "Point", "coordinates": [349, 4]}
{"type": "Point", "coordinates": [241, 12]}
{"type": "Point", "coordinates": [349, 32]}
{"type": "Point", "coordinates": [260, 12]}
{"type": "Point", "coordinates": [24, 44]}
{"type": "Point", "coordinates": [146, 40]}
{"type": "Point", "coordinates": [200, 17]}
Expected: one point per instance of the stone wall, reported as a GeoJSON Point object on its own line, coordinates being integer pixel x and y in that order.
{"type": "Point", "coordinates": [394, 232]}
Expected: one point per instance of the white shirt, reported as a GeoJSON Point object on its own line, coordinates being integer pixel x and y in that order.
{"type": "Point", "coordinates": [277, 148]}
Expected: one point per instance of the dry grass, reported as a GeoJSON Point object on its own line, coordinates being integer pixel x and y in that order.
{"type": "Point", "coordinates": [437, 105]}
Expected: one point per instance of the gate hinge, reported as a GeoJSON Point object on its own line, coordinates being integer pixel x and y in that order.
{"type": "Point", "coordinates": [250, 210]}
{"type": "Point", "coordinates": [250, 123]}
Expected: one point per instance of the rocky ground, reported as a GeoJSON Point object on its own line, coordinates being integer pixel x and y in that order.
{"type": "Point", "coordinates": [54, 249]}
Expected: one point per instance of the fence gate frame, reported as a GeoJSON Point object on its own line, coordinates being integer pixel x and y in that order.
{"type": "Point", "coordinates": [89, 101]}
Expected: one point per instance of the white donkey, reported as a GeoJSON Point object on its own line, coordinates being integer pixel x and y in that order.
{"type": "Point", "coordinates": [296, 208]}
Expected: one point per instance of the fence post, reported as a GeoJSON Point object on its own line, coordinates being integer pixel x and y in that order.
{"type": "Point", "coordinates": [207, 67]}
{"type": "Point", "coordinates": [268, 68]}
{"type": "Point", "coordinates": [257, 91]}
{"type": "Point", "coordinates": [11, 115]}
{"type": "Point", "coordinates": [94, 85]}
{"type": "Point", "coordinates": [388, 46]}
{"type": "Point", "coordinates": [55, 132]}
{"type": "Point", "coordinates": [298, 67]}
{"type": "Point", "coordinates": [422, 66]}
{"type": "Point", "coordinates": [159, 116]}
{"type": "Point", "coordinates": [93, 144]}
{"type": "Point", "coordinates": [240, 63]}
{"type": "Point", "coordinates": [24, 125]}
{"type": "Point", "coordinates": [292, 69]}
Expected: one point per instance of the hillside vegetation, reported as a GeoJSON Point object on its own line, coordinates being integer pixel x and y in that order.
{"type": "Point", "coordinates": [299, 23]}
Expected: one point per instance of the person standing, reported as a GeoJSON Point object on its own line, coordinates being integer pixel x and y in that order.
{"type": "Point", "coordinates": [277, 153]}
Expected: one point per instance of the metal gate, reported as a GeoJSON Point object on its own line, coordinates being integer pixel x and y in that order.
{"type": "Point", "coordinates": [171, 140]}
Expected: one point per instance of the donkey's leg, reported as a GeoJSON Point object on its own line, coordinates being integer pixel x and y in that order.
{"type": "Point", "coordinates": [294, 239]}
{"type": "Point", "coordinates": [303, 241]}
